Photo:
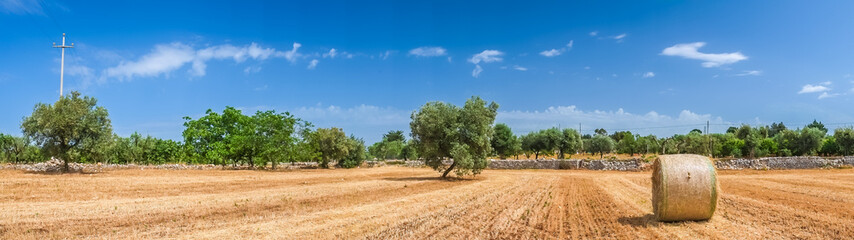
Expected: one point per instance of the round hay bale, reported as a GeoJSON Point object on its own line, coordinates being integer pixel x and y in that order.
{"type": "Point", "coordinates": [684, 187]}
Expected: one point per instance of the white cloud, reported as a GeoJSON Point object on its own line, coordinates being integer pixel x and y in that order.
{"type": "Point", "coordinates": [587, 68]}
{"type": "Point", "coordinates": [749, 73]}
{"type": "Point", "coordinates": [251, 69]}
{"type": "Point", "coordinates": [621, 36]}
{"type": "Point", "coordinates": [428, 52]}
{"type": "Point", "coordinates": [165, 58]}
{"type": "Point", "coordinates": [594, 33]}
{"type": "Point", "coordinates": [386, 54]}
{"type": "Point", "coordinates": [21, 7]}
{"type": "Point", "coordinates": [331, 54]}
{"type": "Point", "coordinates": [313, 64]}
{"type": "Point", "coordinates": [477, 70]}
{"type": "Point", "coordinates": [291, 55]}
{"type": "Point", "coordinates": [570, 116]}
{"type": "Point", "coordinates": [648, 75]}
{"type": "Point", "coordinates": [487, 56]}
{"type": "Point", "coordinates": [690, 51]}
{"type": "Point", "coordinates": [520, 68]}
{"type": "Point", "coordinates": [551, 53]}
{"type": "Point", "coordinates": [555, 52]}
{"type": "Point", "coordinates": [827, 95]}
{"type": "Point", "coordinates": [162, 60]}
{"type": "Point", "coordinates": [809, 88]}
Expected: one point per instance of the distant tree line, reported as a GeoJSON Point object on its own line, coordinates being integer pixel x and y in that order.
{"type": "Point", "coordinates": [744, 141]}
{"type": "Point", "coordinates": [444, 136]}
{"type": "Point", "coordinates": [75, 129]}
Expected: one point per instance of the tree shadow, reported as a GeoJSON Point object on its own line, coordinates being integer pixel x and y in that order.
{"type": "Point", "coordinates": [644, 221]}
{"type": "Point", "coordinates": [79, 172]}
{"type": "Point", "coordinates": [420, 179]}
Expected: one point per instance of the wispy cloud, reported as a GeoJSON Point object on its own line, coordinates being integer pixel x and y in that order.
{"type": "Point", "coordinates": [551, 53]}
{"type": "Point", "coordinates": [291, 55]}
{"type": "Point", "coordinates": [648, 75]}
{"type": "Point", "coordinates": [809, 88]}
{"type": "Point", "coordinates": [594, 33]}
{"type": "Point", "coordinates": [386, 54]}
{"type": "Point", "coordinates": [555, 52]}
{"type": "Point", "coordinates": [313, 64]}
{"type": "Point", "coordinates": [21, 7]}
{"type": "Point", "coordinates": [749, 73]}
{"type": "Point", "coordinates": [520, 68]}
{"type": "Point", "coordinates": [620, 37]}
{"type": "Point", "coordinates": [251, 69]}
{"type": "Point", "coordinates": [477, 70]}
{"type": "Point", "coordinates": [428, 52]}
{"type": "Point", "coordinates": [487, 56]}
{"type": "Point", "coordinates": [166, 58]}
{"type": "Point", "coordinates": [827, 95]}
{"type": "Point", "coordinates": [331, 54]}
{"type": "Point", "coordinates": [690, 51]}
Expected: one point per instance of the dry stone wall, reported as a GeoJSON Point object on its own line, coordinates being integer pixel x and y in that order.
{"type": "Point", "coordinates": [809, 162]}
{"type": "Point", "coordinates": [806, 162]}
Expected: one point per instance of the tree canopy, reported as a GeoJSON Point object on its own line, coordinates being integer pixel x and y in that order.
{"type": "Point", "coordinates": [70, 128]}
{"type": "Point", "coordinates": [443, 131]}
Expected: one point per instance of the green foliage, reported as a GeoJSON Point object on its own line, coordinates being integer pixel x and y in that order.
{"type": "Point", "coordinates": [504, 142]}
{"type": "Point", "coordinates": [355, 153]}
{"type": "Point", "coordinates": [70, 128]}
{"type": "Point", "coordinates": [534, 143]}
{"type": "Point", "coordinates": [732, 146]}
{"type": "Point", "coordinates": [232, 137]}
{"type": "Point", "coordinates": [332, 144]}
{"type": "Point", "coordinates": [600, 144]}
{"type": "Point", "coordinates": [626, 142]}
{"type": "Point", "coordinates": [829, 147]}
{"type": "Point", "coordinates": [392, 136]}
{"type": "Point", "coordinates": [443, 131]}
{"type": "Point", "coordinates": [392, 146]}
{"type": "Point", "coordinates": [19, 150]}
{"type": "Point", "coordinates": [570, 142]}
{"type": "Point", "coordinates": [767, 146]}
{"type": "Point", "coordinates": [776, 128]}
{"type": "Point", "coordinates": [817, 125]}
{"type": "Point", "coordinates": [845, 139]}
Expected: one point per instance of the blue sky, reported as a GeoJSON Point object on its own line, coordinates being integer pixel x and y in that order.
{"type": "Point", "coordinates": [654, 67]}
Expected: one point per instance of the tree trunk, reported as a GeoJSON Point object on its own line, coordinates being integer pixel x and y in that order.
{"type": "Point", "coordinates": [560, 154]}
{"type": "Point", "coordinates": [65, 164]}
{"type": "Point", "coordinates": [444, 175]}
{"type": "Point", "coordinates": [536, 155]}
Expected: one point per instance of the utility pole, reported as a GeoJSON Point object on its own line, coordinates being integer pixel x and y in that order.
{"type": "Point", "coordinates": [62, 62]}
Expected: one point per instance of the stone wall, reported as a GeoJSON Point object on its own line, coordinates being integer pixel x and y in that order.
{"type": "Point", "coordinates": [810, 162]}
{"type": "Point", "coordinates": [616, 165]}
{"type": "Point", "coordinates": [806, 162]}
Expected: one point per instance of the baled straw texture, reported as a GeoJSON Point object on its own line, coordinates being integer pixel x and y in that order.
{"type": "Point", "coordinates": [684, 187]}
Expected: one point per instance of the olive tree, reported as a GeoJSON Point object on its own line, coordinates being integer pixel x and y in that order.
{"type": "Point", "coordinates": [71, 126]}
{"type": "Point", "coordinates": [332, 144]}
{"type": "Point", "coordinates": [600, 144]}
{"type": "Point", "coordinates": [443, 131]}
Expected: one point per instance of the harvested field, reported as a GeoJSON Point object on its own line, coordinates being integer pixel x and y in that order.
{"type": "Point", "coordinates": [406, 203]}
